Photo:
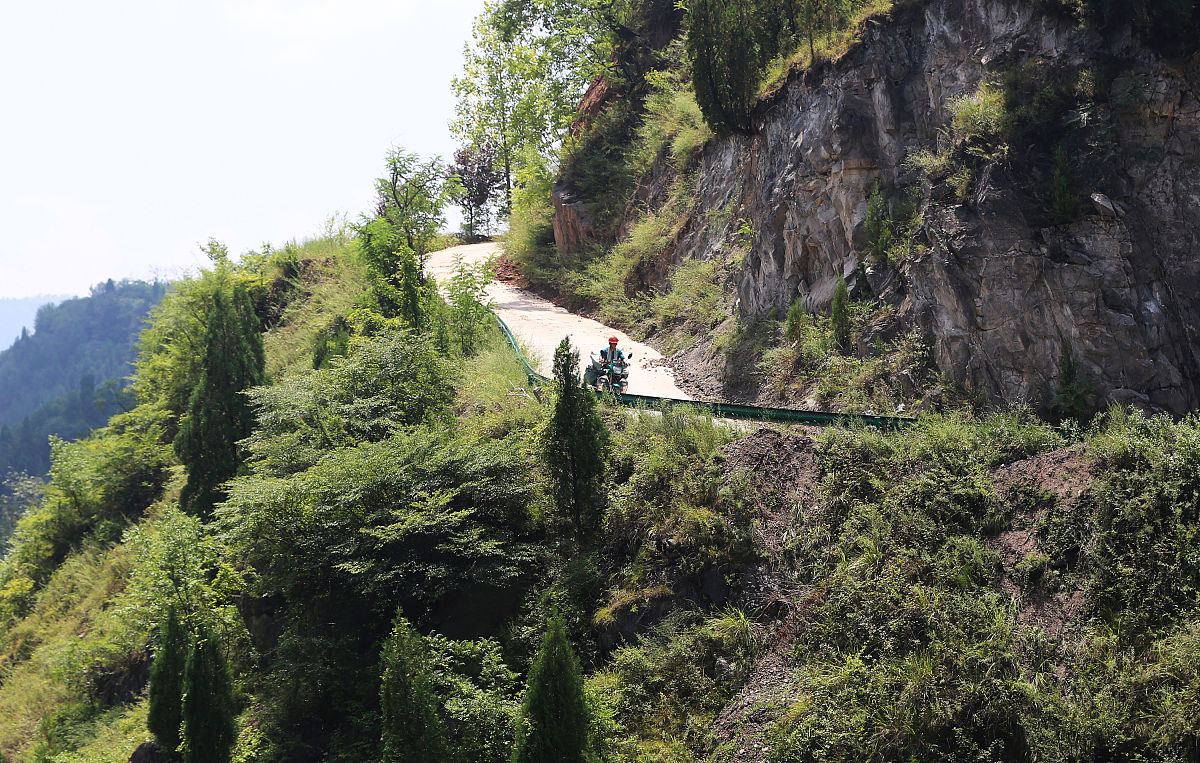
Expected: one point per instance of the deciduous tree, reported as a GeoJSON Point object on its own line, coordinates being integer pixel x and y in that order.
{"type": "Point", "coordinates": [479, 180]}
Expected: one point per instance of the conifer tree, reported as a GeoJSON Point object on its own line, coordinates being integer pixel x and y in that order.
{"type": "Point", "coordinates": [726, 61]}
{"type": "Point", "coordinates": [166, 682]}
{"type": "Point", "coordinates": [553, 726]}
{"type": "Point", "coordinates": [574, 444]}
{"type": "Point", "coordinates": [208, 713]}
{"type": "Point", "coordinates": [839, 315]}
{"type": "Point", "coordinates": [410, 289]}
{"type": "Point", "coordinates": [218, 414]}
{"type": "Point", "coordinates": [412, 730]}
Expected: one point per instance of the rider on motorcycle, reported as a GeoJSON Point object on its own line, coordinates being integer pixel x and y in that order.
{"type": "Point", "coordinates": [612, 353]}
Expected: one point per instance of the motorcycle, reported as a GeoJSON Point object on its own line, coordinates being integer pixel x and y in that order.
{"type": "Point", "coordinates": [605, 376]}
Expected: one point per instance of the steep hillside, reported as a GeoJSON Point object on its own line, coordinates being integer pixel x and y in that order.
{"type": "Point", "coordinates": [337, 524]}
{"type": "Point", "coordinates": [1007, 184]}
{"type": "Point", "coordinates": [18, 313]}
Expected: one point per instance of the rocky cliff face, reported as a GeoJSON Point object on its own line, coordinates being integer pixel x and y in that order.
{"type": "Point", "coordinates": [998, 290]}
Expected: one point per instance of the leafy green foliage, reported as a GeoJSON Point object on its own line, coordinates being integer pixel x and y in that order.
{"type": "Point", "coordinates": [208, 709]}
{"type": "Point", "coordinates": [67, 378]}
{"type": "Point", "coordinates": [165, 717]}
{"type": "Point", "coordinates": [478, 182]}
{"type": "Point", "coordinates": [420, 515]}
{"type": "Point", "coordinates": [553, 725]}
{"type": "Point", "coordinates": [93, 335]}
{"type": "Point", "coordinates": [479, 697]}
{"type": "Point", "coordinates": [386, 383]}
{"type": "Point", "coordinates": [218, 415]}
{"type": "Point", "coordinates": [18, 493]}
{"type": "Point", "coordinates": [1064, 196]}
{"type": "Point", "coordinates": [891, 226]}
{"type": "Point", "coordinates": [664, 692]}
{"type": "Point", "coordinates": [469, 306]}
{"type": "Point", "coordinates": [96, 486]}
{"type": "Point", "coordinates": [1146, 566]}
{"type": "Point", "coordinates": [1075, 397]}
{"type": "Point", "coordinates": [412, 731]}
{"type": "Point", "coordinates": [574, 444]}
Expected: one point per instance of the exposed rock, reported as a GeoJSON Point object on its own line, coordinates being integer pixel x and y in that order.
{"type": "Point", "coordinates": [148, 752]}
{"type": "Point", "coordinates": [573, 229]}
{"type": "Point", "coordinates": [998, 290]}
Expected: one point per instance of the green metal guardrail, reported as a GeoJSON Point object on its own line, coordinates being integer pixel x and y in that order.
{"type": "Point", "coordinates": [723, 410]}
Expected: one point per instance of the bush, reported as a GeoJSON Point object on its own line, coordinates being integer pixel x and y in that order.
{"type": "Point", "coordinates": [979, 116]}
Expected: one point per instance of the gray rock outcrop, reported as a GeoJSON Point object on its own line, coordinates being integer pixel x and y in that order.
{"type": "Point", "coordinates": [997, 289]}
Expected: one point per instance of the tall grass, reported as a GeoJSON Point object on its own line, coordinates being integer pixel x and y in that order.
{"type": "Point", "coordinates": [333, 281]}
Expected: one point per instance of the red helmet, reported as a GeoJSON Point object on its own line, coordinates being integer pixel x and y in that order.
{"type": "Point", "coordinates": [612, 340]}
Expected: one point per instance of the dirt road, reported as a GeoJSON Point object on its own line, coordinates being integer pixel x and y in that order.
{"type": "Point", "coordinates": [541, 325]}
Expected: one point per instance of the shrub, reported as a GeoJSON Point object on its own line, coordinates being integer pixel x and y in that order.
{"type": "Point", "coordinates": [979, 116]}
{"type": "Point", "coordinates": [839, 315]}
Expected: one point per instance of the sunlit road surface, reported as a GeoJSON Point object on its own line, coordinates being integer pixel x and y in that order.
{"type": "Point", "coordinates": [540, 325]}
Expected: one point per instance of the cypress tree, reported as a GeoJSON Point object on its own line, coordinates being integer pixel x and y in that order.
{"type": "Point", "coordinates": [839, 315]}
{"type": "Point", "coordinates": [574, 444]}
{"type": "Point", "coordinates": [208, 713]}
{"type": "Point", "coordinates": [166, 682]}
{"type": "Point", "coordinates": [553, 724]}
{"type": "Point", "coordinates": [218, 415]}
{"type": "Point", "coordinates": [726, 61]}
{"type": "Point", "coordinates": [410, 289]}
{"type": "Point", "coordinates": [412, 730]}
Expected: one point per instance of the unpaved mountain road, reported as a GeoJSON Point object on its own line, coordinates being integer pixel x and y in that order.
{"type": "Point", "coordinates": [541, 325]}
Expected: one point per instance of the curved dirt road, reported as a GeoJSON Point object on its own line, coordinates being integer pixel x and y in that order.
{"type": "Point", "coordinates": [541, 325]}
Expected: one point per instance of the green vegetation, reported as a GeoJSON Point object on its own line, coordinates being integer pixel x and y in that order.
{"type": "Point", "coordinates": [412, 730]}
{"type": "Point", "coordinates": [553, 724]}
{"type": "Point", "coordinates": [207, 706]}
{"type": "Point", "coordinates": [806, 357]}
{"type": "Point", "coordinates": [579, 581]}
{"type": "Point", "coordinates": [892, 227]}
{"type": "Point", "coordinates": [574, 444]}
{"type": "Point", "coordinates": [839, 315]}
{"type": "Point", "coordinates": [218, 415]}
{"type": "Point", "coordinates": [164, 717]}
{"type": "Point", "coordinates": [726, 62]}
{"type": "Point", "coordinates": [67, 378]}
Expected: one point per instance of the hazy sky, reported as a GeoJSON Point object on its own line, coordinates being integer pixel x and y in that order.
{"type": "Point", "coordinates": [131, 130]}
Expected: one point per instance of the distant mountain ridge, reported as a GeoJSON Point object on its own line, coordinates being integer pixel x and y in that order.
{"type": "Point", "coordinates": [65, 376]}
{"type": "Point", "coordinates": [18, 313]}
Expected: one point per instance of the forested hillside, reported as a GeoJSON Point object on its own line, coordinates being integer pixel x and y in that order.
{"type": "Point", "coordinates": [17, 313]}
{"type": "Point", "coordinates": [67, 376]}
{"type": "Point", "coordinates": [336, 523]}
